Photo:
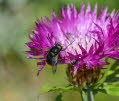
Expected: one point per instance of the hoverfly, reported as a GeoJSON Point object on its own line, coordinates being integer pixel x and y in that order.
{"type": "Point", "coordinates": [53, 56]}
{"type": "Point", "coordinates": [73, 62]}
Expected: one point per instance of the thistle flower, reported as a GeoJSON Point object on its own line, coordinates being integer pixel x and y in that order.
{"type": "Point", "coordinates": [93, 38]}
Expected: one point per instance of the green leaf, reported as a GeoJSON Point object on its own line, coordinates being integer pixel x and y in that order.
{"type": "Point", "coordinates": [111, 73]}
{"type": "Point", "coordinates": [113, 91]}
{"type": "Point", "coordinates": [49, 88]}
{"type": "Point", "coordinates": [106, 71]}
{"type": "Point", "coordinates": [113, 77]}
{"type": "Point", "coordinates": [112, 88]}
{"type": "Point", "coordinates": [59, 97]}
{"type": "Point", "coordinates": [46, 89]}
{"type": "Point", "coordinates": [115, 65]}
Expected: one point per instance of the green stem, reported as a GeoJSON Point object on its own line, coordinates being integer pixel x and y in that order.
{"type": "Point", "coordinates": [90, 96]}
{"type": "Point", "coordinates": [87, 95]}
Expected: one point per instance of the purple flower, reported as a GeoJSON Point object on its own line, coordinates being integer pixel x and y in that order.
{"type": "Point", "coordinates": [87, 37]}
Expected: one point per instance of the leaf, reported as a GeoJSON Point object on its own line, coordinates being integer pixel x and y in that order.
{"type": "Point", "coordinates": [112, 88]}
{"type": "Point", "coordinates": [111, 73]}
{"type": "Point", "coordinates": [106, 71]}
{"type": "Point", "coordinates": [113, 77]}
{"type": "Point", "coordinates": [49, 88]}
{"type": "Point", "coordinates": [95, 91]}
{"type": "Point", "coordinates": [113, 91]}
{"type": "Point", "coordinates": [59, 97]}
{"type": "Point", "coordinates": [45, 89]}
{"type": "Point", "coordinates": [115, 65]}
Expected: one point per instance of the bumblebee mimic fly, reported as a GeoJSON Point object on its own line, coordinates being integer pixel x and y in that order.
{"type": "Point", "coordinates": [74, 62]}
{"type": "Point", "coordinates": [53, 56]}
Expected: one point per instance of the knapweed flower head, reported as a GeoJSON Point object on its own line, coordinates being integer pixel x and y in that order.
{"type": "Point", "coordinates": [85, 36]}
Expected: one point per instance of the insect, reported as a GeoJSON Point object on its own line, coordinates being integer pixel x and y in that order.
{"type": "Point", "coordinates": [53, 56]}
{"type": "Point", "coordinates": [73, 62]}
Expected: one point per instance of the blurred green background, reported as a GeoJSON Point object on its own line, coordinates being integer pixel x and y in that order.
{"type": "Point", "coordinates": [18, 80]}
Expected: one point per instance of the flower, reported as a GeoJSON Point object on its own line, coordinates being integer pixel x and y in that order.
{"type": "Point", "coordinates": [87, 37]}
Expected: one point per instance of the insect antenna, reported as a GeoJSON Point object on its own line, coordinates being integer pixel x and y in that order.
{"type": "Point", "coordinates": [67, 46]}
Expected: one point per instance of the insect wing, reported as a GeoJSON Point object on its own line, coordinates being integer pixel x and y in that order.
{"type": "Point", "coordinates": [54, 60]}
{"type": "Point", "coordinates": [54, 68]}
{"type": "Point", "coordinates": [54, 64]}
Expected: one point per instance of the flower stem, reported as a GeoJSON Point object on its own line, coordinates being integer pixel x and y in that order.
{"type": "Point", "coordinates": [87, 95]}
{"type": "Point", "coordinates": [90, 96]}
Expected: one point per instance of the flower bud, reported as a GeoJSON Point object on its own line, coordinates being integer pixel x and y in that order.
{"type": "Point", "coordinates": [83, 77]}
